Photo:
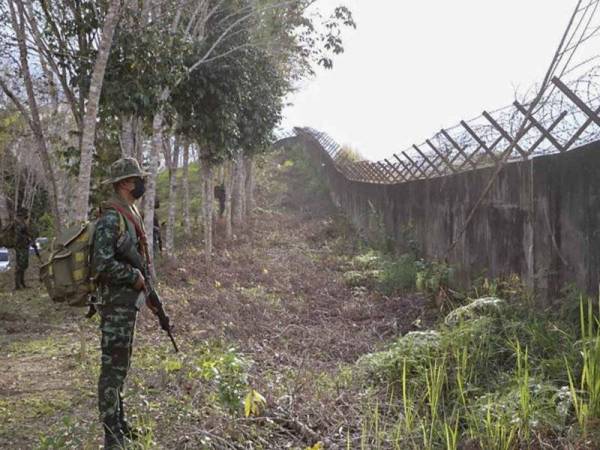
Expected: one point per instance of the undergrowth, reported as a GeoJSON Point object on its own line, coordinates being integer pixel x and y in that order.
{"type": "Point", "coordinates": [492, 375]}
{"type": "Point", "coordinates": [393, 275]}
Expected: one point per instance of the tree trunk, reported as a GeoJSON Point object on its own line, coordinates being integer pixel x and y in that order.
{"type": "Point", "coordinates": [237, 214]}
{"type": "Point", "coordinates": [127, 138]}
{"type": "Point", "coordinates": [89, 121]}
{"type": "Point", "coordinates": [17, 196]}
{"type": "Point", "coordinates": [138, 145]}
{"type": "Point", "coordinates": [187, 229]}
{"type": "Point", "coordinates": [170, 232]}
{"type": "Point", "coordinates": [243, 206]}
{"type": "Point", "coordinates": [150, 195]}
{"type": "Point", "coordinates": [207, 208]}
{"type": "Point", "coordinates": [228, 196]}
{"type": "Point", "coordinates": [33, 118]}
{"type": "Point", "coordinates": [49, 75]}
{"type": "Point", "coordinates": [249, 166]}
{"type": "Point", "coordinates": [5, 212]}
{"type": "Point", "coordinates": [27, 187]}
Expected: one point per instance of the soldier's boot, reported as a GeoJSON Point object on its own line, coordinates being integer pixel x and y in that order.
{"type": "Point", "coordinates": [17, 280]}
{"type": "Point", "coordinates": [129, 431]}
{"type": "Point", "coordinates": [23, 280]}
{"type": "Point", "coordinates": [113, 436]}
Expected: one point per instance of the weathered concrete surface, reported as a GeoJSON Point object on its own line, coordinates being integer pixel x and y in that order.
{"type": "Point", "coordinates": [540, 220]}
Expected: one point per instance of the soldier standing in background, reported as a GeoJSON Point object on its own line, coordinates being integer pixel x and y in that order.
{"type": "Point", "coordinates": [120, 293]}
{"type": "Point", "coordinates": [23, 240]}
{"type": "Point", "coordinates": [219, 193]}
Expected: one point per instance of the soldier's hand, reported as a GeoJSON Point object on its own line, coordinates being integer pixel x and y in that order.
{"type": "Point", "coordinates": [140, 283]}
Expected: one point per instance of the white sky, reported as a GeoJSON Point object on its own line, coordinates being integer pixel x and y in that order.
{"type": "Point", "coordinates": [413, 67]}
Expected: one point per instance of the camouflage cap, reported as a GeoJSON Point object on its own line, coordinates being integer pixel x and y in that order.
{"type": "Point", "coordinates": [124, 168]}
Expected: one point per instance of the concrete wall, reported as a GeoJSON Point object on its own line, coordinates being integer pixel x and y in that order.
{"type": "Point", "coordinates": [541, 219]}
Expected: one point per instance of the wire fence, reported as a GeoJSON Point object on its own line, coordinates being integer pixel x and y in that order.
{"type": "Point", "coordinates": [567, 118]}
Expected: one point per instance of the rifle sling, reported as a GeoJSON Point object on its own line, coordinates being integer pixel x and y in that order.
{"type": "Point", "coordinates": [138, 229]}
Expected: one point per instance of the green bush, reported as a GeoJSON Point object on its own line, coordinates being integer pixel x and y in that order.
{"type": "Point", "coordinates": [226, 369]}
{"type": "Point", "coordinates": [399, 275]}
{"type": "Point", "coordinates": [497, 374]}
{"type": "Point", "coordinates": [414, 350]}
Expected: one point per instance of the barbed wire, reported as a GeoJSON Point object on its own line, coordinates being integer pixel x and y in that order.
{"type": "Point", "coordinates": [558, 118]}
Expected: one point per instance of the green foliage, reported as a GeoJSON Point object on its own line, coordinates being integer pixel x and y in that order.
{"type": "Point", "coordinates": [233, 102]}
{"type": "Point", "coordinates": [488, 375]}
{"type": "Point", "coordinates": [398, 274]}
{"type": "Point", "coordinates": [392, 275]}
{"type": "Point", "coordinates": [432, 277]}
{"type": "Point", "coordinates": [225, 369]}
{"type": "Point", "coordinates": [508, 288]}
{"type": "Point", "coordinates": [143, 62]}
{"type": "Point", "coordinates": [585, 389]}
{"type": "Point", "coordinates": [45, 225]}
{"type": "Point", "coordinates": [412, 351]}
{"type": "Point", "coordinates": [65, 436]}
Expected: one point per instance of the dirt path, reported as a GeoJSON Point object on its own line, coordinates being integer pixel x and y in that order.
{"type": "Point", "coordinates": [272, 314]}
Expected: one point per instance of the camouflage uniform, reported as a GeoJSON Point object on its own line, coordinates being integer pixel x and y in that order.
{"type": "Point", "coordinates": [118, 303]}
{"type": "Point", "coordinates": [22, 242]}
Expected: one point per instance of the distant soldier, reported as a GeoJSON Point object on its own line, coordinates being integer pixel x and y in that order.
{"type": "Point", "coordinates": [219, 193]}
{"type": "Point", "coordinates": [120, 292]}
{"type": "Point", "coordinates": [23, 239]}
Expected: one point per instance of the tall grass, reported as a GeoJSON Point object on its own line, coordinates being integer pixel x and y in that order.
{"type": "Point", "coordinates": [491, 381]}
{"type": "Point", "coordinates": [585, 392]}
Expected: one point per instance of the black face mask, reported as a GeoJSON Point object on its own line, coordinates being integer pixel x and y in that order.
{"type": "Point", "coordinates": [139, 188]}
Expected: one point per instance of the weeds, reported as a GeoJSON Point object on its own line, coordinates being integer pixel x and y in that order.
{"type": "Point", "coordinates": [398, 275]}
{"type": "Point", "coordinates": [474, 379]}
{"type": "Point", "coordinates": [585, 394]}
{"type": "Point", "coordinates": [227, 370]}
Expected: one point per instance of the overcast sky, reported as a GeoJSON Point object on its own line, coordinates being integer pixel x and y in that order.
{"type": "Point", "coordinates": [413, 67]}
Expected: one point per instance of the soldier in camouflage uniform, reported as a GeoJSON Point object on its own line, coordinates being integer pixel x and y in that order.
{"type": "Point", "coordinates": [120, 294]}
{"type": "Point", "coordinates": [23, 240]}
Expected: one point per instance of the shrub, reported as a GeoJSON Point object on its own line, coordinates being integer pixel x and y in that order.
{"type": "Point", "coordinates": [226, 369]}
{"type": "Point", "coordinates": [398, 275]}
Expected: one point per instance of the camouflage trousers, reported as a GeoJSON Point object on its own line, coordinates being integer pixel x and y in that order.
{"type": "Point", "coordinates": [118, 328]}
{"type": "Point", "coordinates": [22, 257]}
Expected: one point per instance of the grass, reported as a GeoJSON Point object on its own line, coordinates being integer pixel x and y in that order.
{"type": "Point", "coordinates": [483, 381]}
{"type": "Point", "coordinates": [585, 392]}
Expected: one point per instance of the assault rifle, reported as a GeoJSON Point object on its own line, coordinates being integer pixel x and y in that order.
{"type": "Point", "coordinates": [157, 308]}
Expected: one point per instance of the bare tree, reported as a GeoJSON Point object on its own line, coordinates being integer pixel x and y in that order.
{"type": "Point", "coordinates": [187, 229]}
{"type": "Point", "coordinates": [91, 112]}
{"type": "Point", "coordinates": [237, 202]}
{"type": "Point", "coordinates": [173, 163]}
{"type": "Point", "coordinates": [207, 209]}
{"type": "Point", "coordinates": [30, 112]}
{"type": "Point", "coordinates": [150, 195]}
{"type": "Point", "coordinates": [229, 181]}
{"type": "Point", "coordinates": [249, 184]}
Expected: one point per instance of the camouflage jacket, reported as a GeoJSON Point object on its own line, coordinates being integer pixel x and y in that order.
{"type": "Point", "coordinates": [22, 235]}
{"type": "Point", "coordinates": [115, 278]}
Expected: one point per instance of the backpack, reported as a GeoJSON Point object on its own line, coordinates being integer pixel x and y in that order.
{"type": "Point", "coordinates": [68, 273]}
{"type": "Point", "coordinates": [7, 235]}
